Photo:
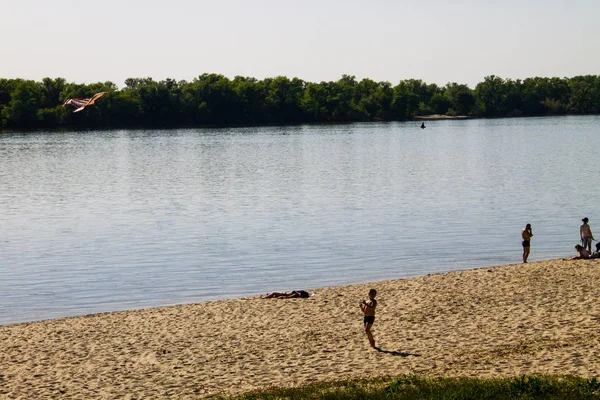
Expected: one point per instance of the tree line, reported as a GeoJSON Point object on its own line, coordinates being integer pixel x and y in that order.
{"type": "Point", "coordinates": [215, 100]}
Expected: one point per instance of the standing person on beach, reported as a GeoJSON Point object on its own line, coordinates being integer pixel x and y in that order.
{"type": "Point", "coordinates": [526, 234]}
{"type": "Point", "coordinates": [586, 235]}
{"type": "Point", "coordinates": [368, 308]}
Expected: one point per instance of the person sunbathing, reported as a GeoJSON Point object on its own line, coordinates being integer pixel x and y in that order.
{"type": "Point", "coordinates": [284, 295]}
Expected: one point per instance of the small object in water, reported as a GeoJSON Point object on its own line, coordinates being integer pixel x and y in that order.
{"type": "Point", "coordinates": [423, 125]}
{"type": "Point", "coordinates": [80, 104]}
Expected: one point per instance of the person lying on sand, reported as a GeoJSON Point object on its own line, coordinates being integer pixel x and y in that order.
{"type": "Point", "coordinates": [294, 294]}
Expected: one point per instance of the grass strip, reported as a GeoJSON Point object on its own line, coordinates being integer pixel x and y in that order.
{"type": "Point", "coordinates": [423, 388]}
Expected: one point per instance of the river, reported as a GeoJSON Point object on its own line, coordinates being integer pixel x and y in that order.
{"type": "Point", "coordinates": [102, 221]}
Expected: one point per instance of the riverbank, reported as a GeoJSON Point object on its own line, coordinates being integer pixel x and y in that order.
{"type": "Point", "coordinates": [540, 317]}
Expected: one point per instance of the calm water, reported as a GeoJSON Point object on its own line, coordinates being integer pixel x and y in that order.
{"type": "Point", "coordinates": [112, 220]}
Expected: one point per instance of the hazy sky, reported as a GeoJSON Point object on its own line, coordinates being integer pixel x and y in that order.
{"type": "Point", "coordinates": [437, 41]}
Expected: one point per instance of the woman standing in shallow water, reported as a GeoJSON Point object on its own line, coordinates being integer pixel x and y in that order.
{"type": "Point", "coordinates": [586, 235]}
{"type": "Point", "coordinates": [526, 235]}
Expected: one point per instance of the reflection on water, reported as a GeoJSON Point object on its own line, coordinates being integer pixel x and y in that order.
{"type": "Point", "coordinates": [112, 220]}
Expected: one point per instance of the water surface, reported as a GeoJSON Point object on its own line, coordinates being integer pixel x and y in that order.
{"type": "Point", "coordinates": [112, 220]}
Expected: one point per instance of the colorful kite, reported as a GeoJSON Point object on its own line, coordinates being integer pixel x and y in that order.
{"type": "Point", "coordinates": [80, 104]}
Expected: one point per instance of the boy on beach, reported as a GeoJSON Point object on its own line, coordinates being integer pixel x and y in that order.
{"type": "Point", "coordinates": [368, 308]}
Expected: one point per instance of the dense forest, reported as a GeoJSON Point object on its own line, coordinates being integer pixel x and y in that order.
{"type": "Point", "coordinates": [212, 100]}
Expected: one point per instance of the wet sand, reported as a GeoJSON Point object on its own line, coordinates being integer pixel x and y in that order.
{"type": "Point", "coordinates": [540, 317]}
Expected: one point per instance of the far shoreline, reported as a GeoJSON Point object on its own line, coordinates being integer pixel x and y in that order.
{"type": "Point", "coordinates": [430, 117]}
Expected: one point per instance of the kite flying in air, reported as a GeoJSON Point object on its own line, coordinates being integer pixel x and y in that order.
{"type": "Point", "coordinates": [80, 104]}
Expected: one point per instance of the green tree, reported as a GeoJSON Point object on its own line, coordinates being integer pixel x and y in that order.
{"type": "Point", "coordinates": [585, 94]}
{"type": "Point", "coordinates": [491, 96]}
{"type": "Point", "coordinates": [213, 99]}
{"type": "Point", "coordinates": [373, 100]}
{"type": "Point", "coordinates": [314, 102]}
{"type": "Point", "coordinates": [440, 104]}
{"type": "Point", "coordinates": [7, 86]}
{"type": "Point", "coordinates": [461, 98]}
{"type": "Point", "coordinates": [251, 96]}
{"type": "Point", "coordinates": [341, 99]}
{"type": "Point", "coordinates": [412, 97]}
{"type": "Point", "coordinates": [283, 100]}
{"type": "Point", "coordinates": [22, 110]}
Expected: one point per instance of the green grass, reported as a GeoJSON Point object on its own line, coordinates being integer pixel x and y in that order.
{"type": "Point", "coordinates": [417, 388]}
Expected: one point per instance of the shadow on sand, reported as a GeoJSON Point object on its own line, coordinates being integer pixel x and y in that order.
{"type": "Point", "coordinates": [396, 353]}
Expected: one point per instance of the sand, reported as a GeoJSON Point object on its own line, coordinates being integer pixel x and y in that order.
{"type": "Point", "coordinates": [439, 117]}
{"type": "Point", "coordinates": [541, 317]}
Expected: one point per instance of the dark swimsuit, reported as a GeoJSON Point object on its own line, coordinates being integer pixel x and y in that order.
{"type": "Point", "coordinates": [369, 319]}
{"type": "Point", "coordinates": [525, 243]}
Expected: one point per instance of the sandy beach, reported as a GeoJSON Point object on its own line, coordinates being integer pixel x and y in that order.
{"type": "Point", "coordinates": [540, 317]}
{"type": "Point", "coordinates": [438, 117]}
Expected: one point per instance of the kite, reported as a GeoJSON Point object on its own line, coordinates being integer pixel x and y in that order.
{"type": "Point", "coordinates": [80, 104]}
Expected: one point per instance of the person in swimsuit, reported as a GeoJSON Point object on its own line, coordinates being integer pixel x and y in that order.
{"type": "Point", "coordinates": [526, 234]}
{"type": "Point", "coordinates": [368, 309]}
{"type": "Point", "coordinates": [597, 252]}
{"type": "Point", "coordinates": [294, 294]}
{"type": "Point", "coordinates": [583, 253]}
{"type": "Point", "coordinates": [586, 235]}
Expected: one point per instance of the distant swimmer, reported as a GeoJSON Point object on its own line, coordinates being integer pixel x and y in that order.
{"type": "Point", "coordinates": [80, 104]}
{"type": "Point", "coordinates": [423, 125]}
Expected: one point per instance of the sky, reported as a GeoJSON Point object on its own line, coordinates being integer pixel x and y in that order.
{"type": "Point", "coordinates": [437, 41]}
